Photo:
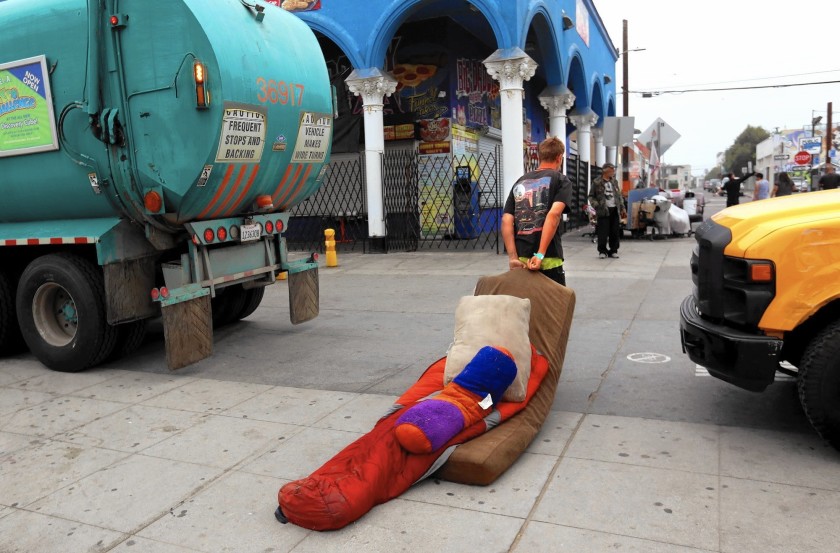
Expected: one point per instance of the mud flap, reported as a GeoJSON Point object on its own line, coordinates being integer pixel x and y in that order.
{"type": "Point", "coordinates": [303, 295]}
{"type": "Point", "coordinates": [188, 331]}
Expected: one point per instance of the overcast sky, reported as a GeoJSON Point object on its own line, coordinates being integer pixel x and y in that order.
{"type": "Point", "coordinates": [729, 43]}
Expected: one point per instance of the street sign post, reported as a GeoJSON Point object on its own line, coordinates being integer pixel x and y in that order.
{"type": "Point", "coordinates": [781, 156]}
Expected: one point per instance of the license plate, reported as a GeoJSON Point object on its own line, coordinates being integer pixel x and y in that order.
{"type": "Point", "coordinates": [247, 233]}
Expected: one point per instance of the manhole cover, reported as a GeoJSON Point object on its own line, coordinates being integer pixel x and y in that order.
{"type": "Point", "coordinates": [648, 357]}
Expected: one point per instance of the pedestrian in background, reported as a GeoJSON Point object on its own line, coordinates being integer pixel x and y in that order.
{"type": "Point", "coordinates": [531, 223]}
{"type": "Point", "coordinates": [783, 186]}
{"type": "Point", "coordinates": [605, 196]}
{"type": "Point", "coordinates": [762, 187]}
{"type": "Point", "coordinates": [830, 180]}
{"type": "Point", "coordinates": [733, 188]}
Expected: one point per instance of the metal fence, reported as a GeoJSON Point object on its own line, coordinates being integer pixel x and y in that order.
{"type": "Point", "coordinates": [445, 202]}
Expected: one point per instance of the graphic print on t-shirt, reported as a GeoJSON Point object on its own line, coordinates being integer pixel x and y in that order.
{"type": "Point", "coordinates": [532, 204]}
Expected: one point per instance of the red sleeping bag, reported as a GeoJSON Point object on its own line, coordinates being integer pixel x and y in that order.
{"type": "Point", "coordinates": [375, 468]}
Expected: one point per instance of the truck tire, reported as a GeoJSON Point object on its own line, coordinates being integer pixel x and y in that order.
{"type": "Point", "coordinates": [227, 305]}
{"type": "Point", "coordinates": [819, 383]}
{"type": "Point", "coordinates": [10, 339]}
{"type": "Point", "coordinates": [61, 311]}
{"type": "Point", "coordinates": [130, 337]}
{"type": "Point", "coordinates": [253, 297]}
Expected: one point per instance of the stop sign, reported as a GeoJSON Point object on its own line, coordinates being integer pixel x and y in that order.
{"type": "Point", "coordinates": [802, 158]}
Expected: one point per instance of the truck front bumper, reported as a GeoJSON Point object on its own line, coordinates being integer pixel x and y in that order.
{"type": "Point", "coordinates": [747, 360]}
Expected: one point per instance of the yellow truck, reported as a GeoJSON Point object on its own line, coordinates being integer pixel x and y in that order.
{"type": "Point", "coordinates": [767, 289]}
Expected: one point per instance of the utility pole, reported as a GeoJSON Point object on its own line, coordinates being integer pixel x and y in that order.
{"type": "Point", "coordinates": [829, 137]}
{"type": "Point", "coordinates": [625, 151]}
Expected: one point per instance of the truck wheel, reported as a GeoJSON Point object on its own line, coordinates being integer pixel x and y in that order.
{"type": "Point", "coordinates": [10, 339]}
{"type": "Point", "coordinates": [61, 310]}
{"type": "Point", "coordinates": [227, 305]}
{"type": "Point", "coordinates": [253, 297]}
{"type": "Point", "coordinates": [819, 383]}
{"type": "Point", "coordinates": [130, 337]}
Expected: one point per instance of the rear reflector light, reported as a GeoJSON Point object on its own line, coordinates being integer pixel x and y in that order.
{"type": "Point", "coordinates": [209, 235]}
{"type": "Point", "coordinates": [279, 225]}
{"type": "Point", "coordinates": [196, 240]}
{"type": "Point", "coordinates": [164, 292]}
{"type": "Point", "coordinates": [221, 234]}
{"type": "Point", "coordinates": [234, 232]}
{"type": "Point", "coordinates": [155, 294]}
{"type": "Point", "coordinates": [269, 227]}
{"type": "Point", "coordinates": [314, 257]}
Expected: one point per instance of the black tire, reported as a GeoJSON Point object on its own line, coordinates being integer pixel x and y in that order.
{"type": "Point", "coordinates": [10, 339]}
{"type": "Point", "coordinates": [819, 383]}
{"type": "Point", "coordinates": [61, 311]}
{"type": "Point", "coordinates": [253, 297]}
{"type": "Point", "coordinates": [130, 337]}
{"type": "Point", "coordinates": [227, 305]}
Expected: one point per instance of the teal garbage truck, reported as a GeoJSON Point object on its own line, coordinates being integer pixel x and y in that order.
{"type": "Point", "coordinates": [150, 151]}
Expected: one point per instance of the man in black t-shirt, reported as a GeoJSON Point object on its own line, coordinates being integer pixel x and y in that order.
{"type": "Point", "coordinates": [531, 223]}
{"type": "Point", "coordinates": [830, 180]}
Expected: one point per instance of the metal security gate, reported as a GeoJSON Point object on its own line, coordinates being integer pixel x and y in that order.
{"type": "Point", "coordinates": [451, 202]}
{"type": "Point", "coordinates": [430, 202]}
{"type": "Point", "coordinates": [578, 173]}
{"type": "Point", "coordinates": [339, 204]}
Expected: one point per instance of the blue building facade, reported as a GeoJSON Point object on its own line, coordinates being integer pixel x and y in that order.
{"type": "Point", "coordinates": [424, 72]}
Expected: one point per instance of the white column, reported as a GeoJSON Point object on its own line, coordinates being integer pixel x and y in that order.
{"type": "Point", "coordinates": [584, 123]}
{"type": "Point", "coordinates": [600, 150]}
{"type": "Point", "coordinates": [611, 154]}
{"type": "Point", "coordinates": [557, 100]}
{"type": "Point", "coordinates": [511, 67]}
{"type": "Point", "coordinates": [373, 85]}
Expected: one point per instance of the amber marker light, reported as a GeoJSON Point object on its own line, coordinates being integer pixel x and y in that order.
{"type": "Point", "coordinates": [761, 272]}
{"type": "Point", "coordinates": [202, 98]}
{"type": "Point", "coordinates": [152, 201]}
{"type": "Point", "coordinates": [264, 202]}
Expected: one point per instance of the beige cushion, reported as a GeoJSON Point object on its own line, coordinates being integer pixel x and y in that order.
{"type": "Point", "coordinates": [498, 320]}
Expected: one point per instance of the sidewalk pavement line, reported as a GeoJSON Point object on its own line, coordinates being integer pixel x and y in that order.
{"type": "Point", "coordinates": [546, 484]}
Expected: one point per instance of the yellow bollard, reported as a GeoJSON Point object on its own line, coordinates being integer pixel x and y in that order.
{"type": "Point", "coordinates": [332, 256]}
{"type": "Point", "coordinates": [283, 275]}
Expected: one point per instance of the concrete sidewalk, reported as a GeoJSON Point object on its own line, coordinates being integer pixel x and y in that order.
{"type": "Point", "coordinates": [640, 457]}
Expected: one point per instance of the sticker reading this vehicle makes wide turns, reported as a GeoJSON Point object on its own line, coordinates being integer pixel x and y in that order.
{"type": "Point", "coordinates": [314, 137]}
{"type": "Point", "coordinates": [243, 134]}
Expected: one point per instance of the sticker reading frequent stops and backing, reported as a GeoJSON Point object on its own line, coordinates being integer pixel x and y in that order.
{"type": "Point", "coordinates": [243, 133]}
{"type": "Point", "coordinates": [314, 138]}
{"type": "Point", "coordinates": [205, 175]}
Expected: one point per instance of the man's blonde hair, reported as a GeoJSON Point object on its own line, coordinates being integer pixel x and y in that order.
{"type": "Point", "coordinates": [551, 149]}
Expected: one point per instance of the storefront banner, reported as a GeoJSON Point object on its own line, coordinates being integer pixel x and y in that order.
{"type": "Point", "coordinates": [27, 122]}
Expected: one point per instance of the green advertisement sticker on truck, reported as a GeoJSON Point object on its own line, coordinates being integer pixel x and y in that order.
{"type": "Point", "coordinates": [27, 124]}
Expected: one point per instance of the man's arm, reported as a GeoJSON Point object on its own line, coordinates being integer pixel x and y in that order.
{"type": "Point", "coordinates": [510, 242]}
{"type": "Point", "coordinates": [552, 222]}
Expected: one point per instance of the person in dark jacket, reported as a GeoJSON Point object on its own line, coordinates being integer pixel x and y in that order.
{"type": "Point", "coordinates": [606, 198]}
{"type": "Point", "coordinates": [783, 186]}
{"type": "Point", "coordinates": [733, 188]}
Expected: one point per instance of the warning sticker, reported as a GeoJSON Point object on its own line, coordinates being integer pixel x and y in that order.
{"type": "Point", "coordinates": [243, 134]}
{"type": "Point", "coordinates": [314, 138]}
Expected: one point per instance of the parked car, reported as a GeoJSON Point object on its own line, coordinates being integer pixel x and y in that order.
{"type": "Point", "coordinates": [800, 185]}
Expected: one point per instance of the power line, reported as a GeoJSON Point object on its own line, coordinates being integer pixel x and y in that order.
{"type": "Point", "coordinates": [651, 93]}
{"type": "Point", "coordinates": [755, 79]}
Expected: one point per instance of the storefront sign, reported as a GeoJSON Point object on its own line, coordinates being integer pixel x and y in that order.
{"type": "Point", "coordinates": [477, 93]}
{"type": "Point", "coordinates": [27, 122]}
{"type": "Point", "coordinates": [399, 132]}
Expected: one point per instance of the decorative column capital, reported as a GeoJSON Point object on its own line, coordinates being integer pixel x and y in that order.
{"type": "Point", "coordinates": [372, 85]}
{"type": "Point", "coordinates": [598, 134]}
{"type": "Point", "coordinates": [511, 67]}
{"type": "Point", "coordinates": [557, 100]}
{"type": "Point", "coordinates": [584, 121]}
